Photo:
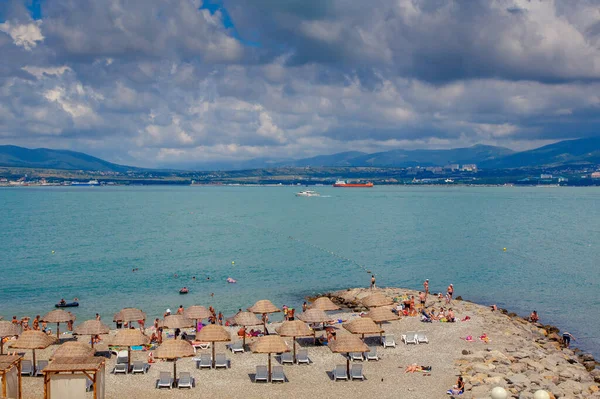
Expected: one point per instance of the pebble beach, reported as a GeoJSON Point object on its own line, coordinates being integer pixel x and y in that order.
{"type": "Point", "coordinates": [520, 356]}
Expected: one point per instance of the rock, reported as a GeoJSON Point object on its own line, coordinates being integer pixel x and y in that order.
{"type": "Point", "coordinates": [518, 367]}
{"type": "Point", "coordinates": [589, 365]}
{"type": "Point", "coordinates": [481, 392]}
{"type": "Point", "coordinates": [593, 389]}
{"type": "Point", "coordinates": [495, 381]}
{"type": "Point", "coordinates": [519, 379]}
{"type": "Point", "coordinates": [571, 387]}
{"type": "Point", "coordinates": [586, 357]}
{"type": "Point", "coordinates": [466, 352]}
{"type": "Point", "coordinates": [483, 368]}
{"type": "Point", "coordinates": [534, 365]}
{"type": "Point", "coordinates": [595, 375]}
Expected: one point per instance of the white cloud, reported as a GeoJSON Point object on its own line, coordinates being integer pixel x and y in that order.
{"type": "Point", "coordinates": [24, 35]}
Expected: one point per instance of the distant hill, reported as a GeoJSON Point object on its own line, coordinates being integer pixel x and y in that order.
{"type": "Point", "coordinates": [580, 151]}
{"type": "Point", "coordinates": [13, 156]}
{"type": "Point", "coordinates": [339, 159]}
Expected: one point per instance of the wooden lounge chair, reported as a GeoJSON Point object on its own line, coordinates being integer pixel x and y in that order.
{"type": "Point", "coordinates": [356, 356]}
{"type": "Point", "coordinates": [287, 357]}
{"type": "Point", "coordinates": [302, 356]}
{"type": "Point", "coordinates": [278, 374]}
{"type": "Point", "coordinates": [140, 367]}
{"type": "Point", "coordinates": [237, 346]}
{"type": "Point", "coordinates": [185, 380]}
{"type": "Point", "coordinates": [262, 374]}
{"type": "Point", "coordinates": [339, 372]}
{"type": "Point", "coordinates": [41, 365]}
{"type": "Point", "coordinates": [27, 368]}
{"type": "Point", "coordinates": [422, 338]}
{"type": "Point", "coordinates": [410, 338]}
{"type": "Point", "coordinates": [372, 354]}
{"type": "Point", "coordinates": [205, 361]}
{"type": "Point", "coordinates": [164, 380]}
{"type": "Point", "coordinates": [356, 372]}
{"type": "Point", "coordinates": [389, 340]}
{"type": "Point", "coordinates": [220, 360]}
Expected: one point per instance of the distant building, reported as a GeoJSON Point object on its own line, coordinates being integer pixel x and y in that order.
{"type": "Point", "coordinates": [452, 167]}
{"type": "Point", "coordinates": [545, 176]}
{"type": "Point", "coordinates": [596, 175]}
{"type": "Point", "coordinates": [469, 167]}
{"type": "Point", "coordinates": [563, 180]}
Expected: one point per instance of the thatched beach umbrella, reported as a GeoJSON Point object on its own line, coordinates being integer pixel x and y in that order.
{"type": "Point", "coordinates": [269, 344]}
{"type": "Point", "coordinates": [173, 350]}
{"type": "Point", "coordinates": [58, 316]}
{"type": "Point", "coordinates": [294, 328]}
{"type": "Point", "coordinates": [246, 319]}
{"type": "Point", "coordinates": [33, 340]}
{"type": "Point", "coordinates": [362, 326]}
{"type": "Point", "coordinates": [91, 327]}
{"type": "Point", "coordinates": [381, 314]}
{"type": "Point", "coordinates": [263, 307]}
{"type": "Point", "coordinates": [129, 337]}
{"type": "Point", "coordinates": [129, 315]}
{"type": "Point", "coordinates": [312, 316]}
{"type": "Point", "coordinates": [196, 312]}
{"type": "Point", "coordinates": [73, 349]}
{"type": "Point", "coordinates": [213, 333]}
{"type": "Point", "coordinates": [347, 343]}
{"type": "Point", "coordinates": [7, 329]}
{"type": "Point", "coordinates": [177, 321]}
{"type": "Point", "coordinates": [324, 303]}
{"type": "Point", "coordinates": [377, 299]}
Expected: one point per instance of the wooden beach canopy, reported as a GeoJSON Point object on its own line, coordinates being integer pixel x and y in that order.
{"type": "Point", "coordinates": [246, 319]}
{"type": "Point", "coordinates": [377, 299]}
{"type": "Point", "coordinates": [314, 316]}
{"type": "Point", "coordinates": [73, 349]}
{"type": "Point", "coordinates": [7, 329]}
{"type": "Point", "coordinates": [91, 327]}
{"type": "Point", "coordinates": [324, 303]}
{"type": "Point", "coordinates": [10, 376]}
{"type": "Point", "coordinates": [269, 344]}
{"type": "Point", "coordinates": [66, 377]}
{"type": "Point", "coordinates": [264, 306]}
{"type": "Point", "coordinates": [173, 350]}
{"type": "Point", "coordinates": [196, 312]}
{"type": "Point", "coordinates": [129, 337]}
{"type": "Point", "coordinates": [33, 340]}
{"type": "Point", "coordinates": [294, 328]}
{"type": "Point", "coordinates": [58, 316]}
{"type": "Point", "coordinates": [380, 315]}
{"type": "Point", "coordinates": [362, 326]}
{"type": "Point", "coordinates": [177, 321]}
{"type": "Point", "coordinates": [213, 333]}
{"type": "Point", "coordinates": [128, 315]}
{"type": "Point", "coordinates": [347, 343]}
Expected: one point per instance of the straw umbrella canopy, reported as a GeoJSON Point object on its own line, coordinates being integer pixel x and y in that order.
{"type": "Point", "coordinates": [177, 321]}
{"type": "Point", "coordinates": [58, 316]}
{"type": "Point", "coordinates": [264, 306]}
{"type": "Point", "coordinates": [7, 329]}
{"type": "Point", "coordinates": [213, 333]}
{"type": "Point", "coordinates": [347, 343]}
{"type": "Point", "coordinates": [324, 303]}
{"type": "Point", "coordinates": [362, 325]}
{"type": "Point", "coordinates": [129, 337]}
{"type": "Point", "coordinates": [74, 349]}
{"type": "Point", "coordinates": [129, 314]}
{"type": "Point", "coordinates": [173, 350]}
{"type": "Point", "coordinates": [246, 319]}
{"type": "Point", "coordinates": [269, 344]}
{"type": "Point", "coordinates": [196, 312]}
{"type": "Point", "coordinates": [377, 299]}
{"type": "Point", "coordinates": [91, 327]}
{"type": "Point", "coordinates": [294, 328]}
{"type": "Point", "coordinates": [33, 340]}
{"type": "Point", "coordinates": [381, 314]}
{"type": "Point", "coordinates": [314, 316]}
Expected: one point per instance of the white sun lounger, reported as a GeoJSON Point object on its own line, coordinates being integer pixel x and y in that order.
{"type": "Point", "coordinates": [302, 356]}
{"type": "Point", "coordinates": [140, 367]}
{"type": "Point", "coordinates": [27, 367]}
{"type": "Point", "coordinates": [220, 360]}
{"type": "Point", "coordinates": [410, 338]}
{"type": "Point", "coordinates": [262, 374]}
{"type": "Point", "coordinates": [164, 380]}
{"type": "Point", "coordinates": [237, 346]}
{"type": "Point", "coordinates": [356, 372]}
{"type": "Point", "coordinates": [286, 357]}
{"type": "Point", "coordinates": [278, 374]}
{"type": "Point", "coordinates": [356, 356]}
{"type": "Point", "coordinates": [120, 368]}
{"type": "Point", "coordinates": [339, 372]}
{"type": "Point", "coordinates": [41, 365]}
{"type": "Point", "coordinates": [372, 354]}
{"type": "Point", "coordinates": [185, 380]}
{"type": "Point", "coordinates": [205, 361]}
{"type": "Point", "coordinates": [389, 340]}
{"type": "Point", "coordinates": [422, 338]}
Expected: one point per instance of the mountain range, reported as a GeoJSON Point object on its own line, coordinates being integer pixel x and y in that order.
{"type": "Point", "coordinates": [580, 151]}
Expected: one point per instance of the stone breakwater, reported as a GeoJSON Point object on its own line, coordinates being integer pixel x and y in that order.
{"type": "Point", "coordinates": [521, 357]}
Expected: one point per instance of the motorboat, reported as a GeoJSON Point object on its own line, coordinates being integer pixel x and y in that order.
{"type": "Point", "coordinates": [308, 193]}
{"type": "Point", "coordinates": [67, 305]}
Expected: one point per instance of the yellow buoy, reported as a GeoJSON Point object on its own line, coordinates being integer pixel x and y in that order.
{"type": "Point", "coordinates": [504, 249]}
{"type": "Point", "coordinates": [232, 262]}
{"type": "Point", "coordinates": [52, 251]}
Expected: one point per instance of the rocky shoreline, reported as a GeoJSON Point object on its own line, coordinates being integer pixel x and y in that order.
{"type": "Point", "coordinates": [522, 357]}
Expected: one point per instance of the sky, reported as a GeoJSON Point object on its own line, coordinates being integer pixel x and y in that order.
{"type": "Point", "coordinates": [181, 82]}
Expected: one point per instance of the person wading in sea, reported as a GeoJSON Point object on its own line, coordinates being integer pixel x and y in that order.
{"type": "Point", "coordinates": [372, 281]}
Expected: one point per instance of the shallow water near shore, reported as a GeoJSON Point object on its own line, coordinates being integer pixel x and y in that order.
{"type": "Point", "coordinates": [283, 248]}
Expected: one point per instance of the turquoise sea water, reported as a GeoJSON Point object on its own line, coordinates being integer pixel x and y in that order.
{"type": "Point", "coordinates": [285, 247]}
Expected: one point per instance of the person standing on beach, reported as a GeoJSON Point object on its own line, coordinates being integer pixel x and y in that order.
{"type": "Point", "coordinates": [426, 287]}
{"type": "Point", "coordinates": [304, 306]}
{"type": "Point", "coordinates": [567, 338]}
{"type": "Point", "coordinates": [450, 293]}
{"type": "Point", "coordinates": [97, 317]}
{"type": "Point", "coordinates": [180, 309]}
{"type": "Point", "coordinates": [422, 299]}
{"type": "Point", "coordinates": [372, 281]}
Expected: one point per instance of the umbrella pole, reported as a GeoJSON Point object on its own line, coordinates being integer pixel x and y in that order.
{"type": "Point", "coordinates": [128, 358]}
{"type": "Point", "coordinates": [175, 372]}
{"type": "Point", "coordinates": [34, 364]}
{"type": "Point", "coordinates": [294, 338]}
{"type": "Point", "coordinates": [1, 345]}
{"type": "Point", "coordinates": [270, 367]}
{"type": "Point", "coordinates": [57, 337]}
{"type": "Point", "coordinates": [380, 334]}
{"type": "Point", "coordinates": [348, 364]}
{"type": "Point", "coordinates": [213, 354]}
{"type": "Point", "coordinates": [244, 339]}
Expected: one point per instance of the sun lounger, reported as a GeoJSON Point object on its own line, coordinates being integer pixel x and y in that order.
{"type": "Point", "coordinates": [410, 338]}
{"type": "Point", "coordinates": [237, 346]}
{"type": "Point", "coordinates": [140, 367]}
{"type": "Point", "coordinates": [262, 374]}
{"type": "Point", "coordinates": [422, 338]}
{"type": "Point", "coordinates": [41, 365]}
{"type": "Point", "coordinates": [372, 354]}
{"type": "Point", "coordinates": [286, 357]}
{"type": "Point", "coordinates": [278, 374]}
{"type": "Point", "coordinates": [27, 367]}
{"type": "Point", "coordinates": [122, 358]}
{"type": "Point", "coordinates": [120, 368]}
{"type": "Point", "coordinates": [356, 372]}
{"type": "Point", "coordinates": [185, 380]}
{"type": "Point", "coordinates": [356, 356]}
{"type": "Point", "coordinates": [220, 360]}
{"type": "Point", "coordinates": [302, 356]}
{"type": "Point", "coordinates": [205, 361]}
{"type": "Point", "coordinates": [201, 345]}
{"type": "Point", "coordinates": [164, 380]}
{"type": "Point", "coordinates": [389, 340]}
{"type": "Point", "coordinates": [339, 372]}
{"type": "Point", "coordinates": [88, 385]}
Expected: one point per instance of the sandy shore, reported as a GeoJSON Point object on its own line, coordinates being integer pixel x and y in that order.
{"type": "Point", "coordinates": [519, 357]}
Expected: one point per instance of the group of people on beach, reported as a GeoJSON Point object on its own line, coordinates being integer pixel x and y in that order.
{"type": "Point", "coordinates": [37, 324]}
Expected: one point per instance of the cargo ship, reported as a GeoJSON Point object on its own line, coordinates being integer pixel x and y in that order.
{"type": "Point", "coordinates": [342, 183]}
